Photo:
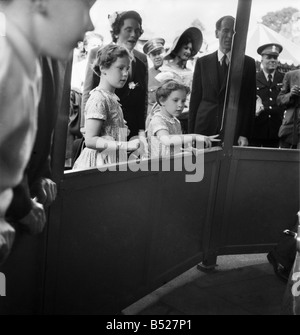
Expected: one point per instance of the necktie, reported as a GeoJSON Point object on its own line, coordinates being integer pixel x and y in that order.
{"type": "Point", "coordinates": [224, 64]}
{"type": "Point", "coordinates": [224, 69]}
{"type": "Point", "coordinates": [270, 80]}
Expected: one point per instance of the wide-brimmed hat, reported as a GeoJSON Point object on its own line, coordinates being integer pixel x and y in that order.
{"type": "Point", "coordinates": [153, 45]}
{"type": "Point", "coordinates": [197, 39]}
{"type": "Point", "coordinates": [270, 49]}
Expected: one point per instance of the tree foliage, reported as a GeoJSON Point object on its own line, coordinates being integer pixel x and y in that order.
{"type": "Point", "coordinates": [275, 20]}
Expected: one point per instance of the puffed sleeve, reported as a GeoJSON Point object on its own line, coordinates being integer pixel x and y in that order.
{"type": "Point", "coordinates": [96, 106]}
{"type": "Point", "coordinates": [157, 124]}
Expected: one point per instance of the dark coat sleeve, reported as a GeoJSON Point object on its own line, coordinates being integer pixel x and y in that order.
{"type": "Point", "coordinates": [144, 79]}
{"type": "Point", "coordinates": [196, 96]}
{"type": "Point", "coordinates": [247, 102]}
{"type": "Point", "coordinates": [21, 203]}
{"type": "Point", "coordinates": [39, 164]}
{"type": "Point", "coordinates": [285, 98]}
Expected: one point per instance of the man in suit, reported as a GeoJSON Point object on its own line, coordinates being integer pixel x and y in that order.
{"type": "Point", "coordinates": [268, 83]}
{"type": "Point", "coordinates": [209, 88]}
{"type": "Point", "coordinates": [126, 30]}
{"type": "Point", "coordinates": [289, 98]}
{"type": "Point", "coordinates": [33, 28]}
{"type": "Point", "coordinates": [37, 191]}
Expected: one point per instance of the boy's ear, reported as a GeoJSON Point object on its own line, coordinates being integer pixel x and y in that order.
{"type": "Point", "coordinates": [40, 6]}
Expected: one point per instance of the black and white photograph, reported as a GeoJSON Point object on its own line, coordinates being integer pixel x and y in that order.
{"type": "Point", "coordinates": [149, 160]}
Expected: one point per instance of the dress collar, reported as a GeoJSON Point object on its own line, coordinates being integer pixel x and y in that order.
{"type": "Point", "coordinates": [171, 120]}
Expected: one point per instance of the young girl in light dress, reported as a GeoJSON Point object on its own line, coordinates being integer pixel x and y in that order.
{"type": "Point", "coordinates": [164, 125]}
{"type": "Point", "coordinates": [106, 130]}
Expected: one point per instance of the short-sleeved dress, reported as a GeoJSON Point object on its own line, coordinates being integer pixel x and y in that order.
{"type": "Point", "coordinates": [105, 106]}
{"type": "Point", "coordinates": [162, 122]}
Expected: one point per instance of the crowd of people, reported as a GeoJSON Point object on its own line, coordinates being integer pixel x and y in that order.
{"type": "Point", "coordinates": [262, 120]}
{"type": "Point", "coordinates": [175, 104]}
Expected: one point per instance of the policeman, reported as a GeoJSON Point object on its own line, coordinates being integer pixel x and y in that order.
{"type": "Point", "coordinates": [269, 83]}
{"type": "Point", "coordinates": [154, 49]}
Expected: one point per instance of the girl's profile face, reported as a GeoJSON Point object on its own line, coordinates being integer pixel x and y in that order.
{"type": "Point", "coordinates": [185, 52]}
{"type": "Point", "coordinates": [129, 34]}
{"type": "Point", "coordinates": [117, 74]}
{"type": "Point", "coordinates": [175, 103]}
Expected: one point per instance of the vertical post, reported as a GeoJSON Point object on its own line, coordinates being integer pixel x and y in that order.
{"type": "Point", "coordinates": [236, 73]}
{"type": "Point", "coordinates": [231, 106]}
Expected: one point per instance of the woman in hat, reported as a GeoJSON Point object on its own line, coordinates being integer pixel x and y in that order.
{"type": "Point", "coordinates": [184, 48]}
{"type": "Point", "coordinates": [126, 29]}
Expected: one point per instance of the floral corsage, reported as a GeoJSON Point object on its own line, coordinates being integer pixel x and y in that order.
{"type": "Point", "coordinates": [132, 85]}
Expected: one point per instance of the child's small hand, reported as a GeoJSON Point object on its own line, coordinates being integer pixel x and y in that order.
{"type": "Point", "coordinates": [133, 145]}
{"type": "Point", "coordinates": [214, 138]}
{"type": "Point", "coordinates": [207, 140]}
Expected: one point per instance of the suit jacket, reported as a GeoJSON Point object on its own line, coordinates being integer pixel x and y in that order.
{"type": "Point", "coordinates": [289, 102]}
{"type": "Point", "coordinates": [134, 101]}
{"type": "Point", "coordinates": [53, 74]}
{"type": "Point", "coordinates": [20, 88]}
{"type": "Point", "coordinates": [268, 122]}
{"type": "Point", "coordinates": [208, 94]}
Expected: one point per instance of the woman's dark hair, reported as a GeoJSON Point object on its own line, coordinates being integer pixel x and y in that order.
{"type": "Point", "coordinates": [167, 87]}
{"type": "Point", "coordinates": [108, 55]}
{"type": "Point", "coordinates": [185, 39]}
{"type": "Point", "coordinates": [119, 23]}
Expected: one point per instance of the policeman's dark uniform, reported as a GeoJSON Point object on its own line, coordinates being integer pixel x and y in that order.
{"type": "Point", "coordinates": [268, 122]}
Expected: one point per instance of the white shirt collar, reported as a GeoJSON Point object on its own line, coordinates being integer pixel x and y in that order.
{"type": "Point", "coordinates": [221, 54]}
{"type": "Point", "coordinates": [267, 74]}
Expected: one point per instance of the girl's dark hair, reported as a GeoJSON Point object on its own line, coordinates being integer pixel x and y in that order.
{"type": "Point", "coordinates": [119, 23]}
{"type": "Point", "coordinates": [185, 39]}
{"type": "Point", "coordinates": [108, 55]}
{"type": "Point", "coordinates": [167, 87]}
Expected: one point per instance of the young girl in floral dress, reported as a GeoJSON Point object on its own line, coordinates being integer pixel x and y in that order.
{"type": "Point", "coordinates": [105, 128]}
